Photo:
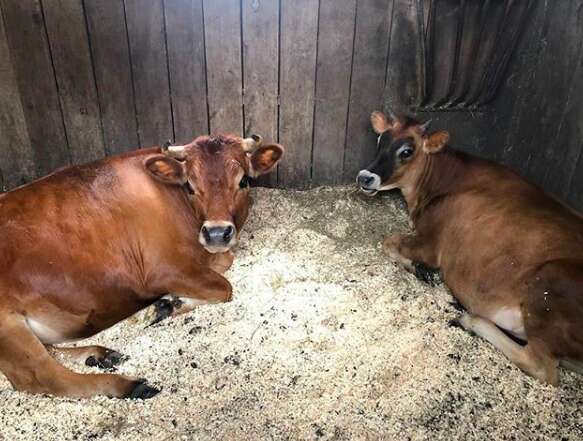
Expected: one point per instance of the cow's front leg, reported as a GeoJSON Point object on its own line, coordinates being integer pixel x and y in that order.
{"type": "Point", "coordinates": [413, 253]}
{"type": "Point", "coordinates": [172, 305]}
{"type": "Point", "coordinates": [221, 262]}
{"type": "Point", "coordinates": [191, 288]}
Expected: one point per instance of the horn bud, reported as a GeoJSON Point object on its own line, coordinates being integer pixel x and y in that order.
{"type": "Point", "coordinates": [423, 127]}
{"type": "Point", "coordinates": [174, 151]}
{"type": "Point", "coordinates": [252, 143]}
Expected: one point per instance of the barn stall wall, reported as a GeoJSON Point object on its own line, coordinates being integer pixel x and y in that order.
{"type": "Point", "coordinates": [83, 79]}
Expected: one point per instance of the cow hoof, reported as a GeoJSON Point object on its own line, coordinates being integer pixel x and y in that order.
{"type": "Point", "coordinates": [455, 323]}
{"type": "Point", "coordinates": [142, 391]}
{"type": "Point", "coordinates": [165, 308]}
{"type": "Point", "coordinates": [108, 361]}
{"type": "Point", "coordinates": [457, 305]}
{"type": "Point", "coordinates": [462, 322]}
{"type": "Point", "coordinates": [426, 274]}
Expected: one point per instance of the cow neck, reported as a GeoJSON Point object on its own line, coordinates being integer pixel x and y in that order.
{"type": "Point", "coordinates": [439, 173]}
{"type": "Point", "coordinates": [182, 197]}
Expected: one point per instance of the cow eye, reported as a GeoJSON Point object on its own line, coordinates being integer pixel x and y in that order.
{"type": "Point", "coordinates": [405, 152]}
{"type": "Point", "coordinates": [244, 182]}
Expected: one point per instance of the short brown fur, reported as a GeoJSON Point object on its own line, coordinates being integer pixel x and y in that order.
{"type": "Point", "coordinates": [510, 253]}
{"type": "Point", "coordinates": [88, 246]}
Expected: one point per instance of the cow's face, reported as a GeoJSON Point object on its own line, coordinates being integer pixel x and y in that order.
{"type": "Point", "coordinates": [216, 172]}
{"type": "Point", "coordinates": [402, 146]}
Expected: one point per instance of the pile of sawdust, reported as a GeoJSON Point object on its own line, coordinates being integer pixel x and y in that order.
{"type": "Point", "coordinates": [325, 339]}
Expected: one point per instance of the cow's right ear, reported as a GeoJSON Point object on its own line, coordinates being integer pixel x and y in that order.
{"type": "Point", "coordinates": [380, 122]}
{"type": "Point", "coordinates": [166, 169]}
{"type": "Point", "coordinates": [435, 142]}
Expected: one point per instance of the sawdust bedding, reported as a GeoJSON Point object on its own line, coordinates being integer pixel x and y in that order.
{"type": "Point", "coordinates": [325, 339]}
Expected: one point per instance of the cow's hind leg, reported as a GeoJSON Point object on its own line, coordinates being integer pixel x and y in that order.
{"type": "Point", "coordinates": [533, 358]}
{"type": "Point", "coordinates": [29, 367]}
{"type": "Point", "coordinates": [99, 356]}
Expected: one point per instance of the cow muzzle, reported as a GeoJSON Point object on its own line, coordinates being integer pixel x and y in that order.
{"type": "Point", "coordinates": [218, 236]}
{"type": "Point", "coordinates": [368, 182]}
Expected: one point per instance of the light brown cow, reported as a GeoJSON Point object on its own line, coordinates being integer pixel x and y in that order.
{"type": "Point", "coordinates": [88, 246]}
{"type": "Point", "coordinates": [511, 254]}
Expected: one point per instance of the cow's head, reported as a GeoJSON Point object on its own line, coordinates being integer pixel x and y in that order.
{"type": "Point", "coordinates": [216, 172]}
{"type": "Point", "coordinates": [403, 144]}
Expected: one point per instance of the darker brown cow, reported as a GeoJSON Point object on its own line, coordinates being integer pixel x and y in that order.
{"type": "Point", "coordinates": [88, 246]}
{"type": "Point", "coordinates": [511, 254]}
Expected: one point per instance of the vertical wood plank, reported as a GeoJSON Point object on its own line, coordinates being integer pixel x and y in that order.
{"type": "Point", "coordinates": [570, 143]}
{"type": "Point", "coordinates": [25, 30]}
{"type": "Point", "coordinates": [515, 110]}
{"type": "Point", "coordinates": [538, 123]}
{"type": "Point", "coordinates": [65, 21]}
{"type": "Point", "coordinates": [447, 23]}
{"type": "Point", "coordinates": [373, 19]}
{"type": "Point", "coordinates": [186, 60]}
{"type": "Point", "coordinates": [299, 30]}
{"type": "Point", "coordinates": [334, 65]}
{"type": "Point", "coordinates": [16, 155]}
{"type": "Point", "coordinates": [492, 23]}
{"type": "Point", "coordinates": [404, 63]}
{"type": "Point", "coordinates": [260, 72]}
{"type": "Point", "coordinates": [145, 24]}
{"type": "Point", "coordinates": [469, 47]}
{"type": "Point", "coordinates": [575, 194]}
{"type": "Point", "coordinates": [222, 27]}
{"type": "Point", "coordinates": [109, 46]}
{"type": "Point", "coordinates": [558, 133]}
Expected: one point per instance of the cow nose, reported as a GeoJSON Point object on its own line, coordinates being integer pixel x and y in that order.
{"type": "Point", "coordinates": [218, 234]}
{"type": "Point", "coordinates": [365, 181]}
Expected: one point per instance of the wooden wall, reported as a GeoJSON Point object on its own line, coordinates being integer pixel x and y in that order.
{"type": "Point", "coordinates": [80, 79]}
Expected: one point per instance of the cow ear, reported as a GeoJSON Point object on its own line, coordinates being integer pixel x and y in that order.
{"type": "Point", "coordinates": [264, 159]}
{"type": "Point", "coordinates": [166, 169]}
{"type": "Point", "coordinates": [380, 122]}
{"type": "Point", "coordinates": [435, 142]}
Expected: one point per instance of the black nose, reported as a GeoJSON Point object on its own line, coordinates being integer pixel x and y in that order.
{"type": "Point", "coordinates": [218, 235]}
{"type": "Point", "coordinates": [365, 180]}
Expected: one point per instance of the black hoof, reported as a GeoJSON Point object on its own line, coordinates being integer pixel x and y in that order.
{"type": "Point", "coordinates": [457, 306]}
{"type": "Point", "coordinates": [164, 309]}
{"type": "Point", "coordinates": [142, 391]}
{"type": "Point", "coordinates": [108, 362]}
{"type": "Point", "coordinates": [426, 274]}
{"type": "Point", "coordinates": [454, 323]}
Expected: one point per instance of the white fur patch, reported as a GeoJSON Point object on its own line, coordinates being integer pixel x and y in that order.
{"type": "Point", "coordinates": [44, 333]}
{"type": "Point", "coordinates": [188, 302]}
{"type": "Point", "coordinates": [510, 319]}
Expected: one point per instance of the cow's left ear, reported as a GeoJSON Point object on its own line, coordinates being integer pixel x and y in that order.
{"type": "Point", "coordinates": [166, 169]}
{"type": "Point", "coordinates": [435, 142]}
{"type": "Point", "coordinates": [264, 159]}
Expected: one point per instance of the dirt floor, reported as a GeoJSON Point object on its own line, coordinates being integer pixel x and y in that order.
{"type": "Point", "coordinates": [325, 339]}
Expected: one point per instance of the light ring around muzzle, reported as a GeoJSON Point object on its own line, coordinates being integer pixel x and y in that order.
{"type": "Point", "coordinates": [368, 183]}
{"type": "Point", "coordinates": [217, 236]}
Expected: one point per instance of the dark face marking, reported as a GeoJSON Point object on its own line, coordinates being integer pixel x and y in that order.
{"type": "Point", "coordinates": [391, 155]}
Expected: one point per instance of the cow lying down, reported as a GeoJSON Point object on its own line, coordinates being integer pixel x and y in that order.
{"type": "Point", "coordinates": [88, 246]}
{"type": "Point", "coordinates": [511, 254]}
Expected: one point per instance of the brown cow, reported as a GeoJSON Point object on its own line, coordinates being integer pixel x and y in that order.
{"type": "Point", "coordinates": [511, 254]}
{"type": "Point", "coordinates": [88, 246]}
